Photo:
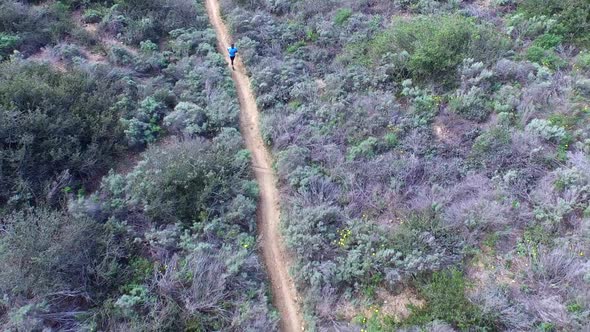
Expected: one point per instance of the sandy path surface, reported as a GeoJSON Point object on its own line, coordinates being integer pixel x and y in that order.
{"type": "Point", "coordinates": [276, 261]}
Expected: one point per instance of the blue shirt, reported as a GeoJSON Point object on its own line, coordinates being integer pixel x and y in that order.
{"type": "Point", "coordinates": [232, 51]}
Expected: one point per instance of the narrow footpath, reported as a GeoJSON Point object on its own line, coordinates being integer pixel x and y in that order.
{"type": "Point", "coordinates": [283, 289]}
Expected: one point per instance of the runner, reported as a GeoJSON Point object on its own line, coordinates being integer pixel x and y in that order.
{"type": "Point", "coordinates": [233, 50]}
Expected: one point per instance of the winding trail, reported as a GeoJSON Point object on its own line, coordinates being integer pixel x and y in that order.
{"type": "Point", "coordinates": [283, 289]}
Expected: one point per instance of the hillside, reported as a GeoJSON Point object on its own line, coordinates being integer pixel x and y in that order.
{"type": "Point", "coordinates": [433, 158]}
{"type": "Point", "coordinates": [370, 165]}
{"type": "Point", "coordinates": [127, 197]}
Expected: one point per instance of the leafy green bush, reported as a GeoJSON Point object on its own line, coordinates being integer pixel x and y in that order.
{"type": "Point", "coordinates": [51, 122]}
{"type": "Point", "coordinates": [548, 41]}
{"type": "Point", "coordinates": [148, 47]}
{"type": "Point", "coordinates": [193, 181]}
{"type": "Point", "coordinates": [438, 44]}
{"type": "Point", "coordinates": [491, 149]}
{"type": "Point", "coordinates": [294, 47]}
{"type": "Point", "coordinates": [144, 126]}
{"type": "Point", "coordinates": [92, 15]}
{"type": "Point", "coordinates": [545, 57]}
{"type": "Point", "coordinates": [472, 99]}
{"type": "Point", "coordinates": [583, 60]}
{"type": "Point", "coordinates": [573, 16]}
{"type": "Point", "coordinates": [547, 131]}
{"type": "Point", "coordinates": [59, 263]}
{"type": "Point", "coordinates": [139, 20]}
{"type": "Point", "coordinates": [7, 44]}
{"type": "Point", "coordinates": [473, 105]}
{"type": "Point", "coordinates": [35, 26]}
{"type": "Point", "coordinates": [424, 105]}
{"type": "Point", "coordinates": [342, 15]}
{"type": "Point", "coordinates": [422, 236]}
{"type": "Point", "coordinates": [364, 149]}
{"type": "Point", "coordinates": [444, 293]}
{"type": "Point", "coordinates": [68, 52]}
{"type": "Point", "coordinates": [121, 56]}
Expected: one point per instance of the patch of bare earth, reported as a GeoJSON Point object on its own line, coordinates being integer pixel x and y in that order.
{"type": "Point", "coordinates": [449, 128]}
{"type": "Point", "coordinates": [397, 306]}
{"type": "Point", "coordinates": [89, 27]}
{"type": "Point", "coordinates": [106, 41]}
{"type": "Point", "coordinates": [489, 267]}
{"type": "Point", "coordinates": [45, 55]}
{"type": "Point", "coordinates": [111, 42]}
{"type": "Point", "coordinates": [390, 305]}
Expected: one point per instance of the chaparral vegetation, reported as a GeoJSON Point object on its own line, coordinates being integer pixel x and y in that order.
{"type": "Point", "coordinates": [433, 156]}
{"type": "Point", "coordinates": [433, 159]}
{"type": "Point", "coordinates": [127, 201]}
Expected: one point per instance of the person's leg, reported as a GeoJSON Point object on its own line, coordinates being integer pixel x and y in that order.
{"type": "Point", "coordinates": [232, 60]}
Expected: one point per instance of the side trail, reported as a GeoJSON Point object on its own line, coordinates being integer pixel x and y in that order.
{"type": "Point", "coordinates": [283, 289]}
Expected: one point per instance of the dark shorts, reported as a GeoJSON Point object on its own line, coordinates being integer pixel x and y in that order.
{"type": "Point", "coordinates": [232, 58]}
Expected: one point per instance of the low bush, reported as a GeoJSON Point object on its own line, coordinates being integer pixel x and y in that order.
{"type": "Point", "coordinates": [92, 16]}
{"type": "Point", "coordinates": [144, 127]}
{"type": "Point", "coordinates": [438, 44]}
{"type": "Point", "coordinates": [491, 149]}
{"type": "Point", "coordinates": [444, 293]}
{"type": "Point", "coordinates": [548, 41]}
{"type": "Point", "coordinates": [139, 20]}
{"type": "Point", "coordinates": [547, 131]}
{"type": "Point", "coordinates": [193, 181]}
{"type": "Point", "coordinates": [35, 26]}
{"type": "Point", "coordinates": [8, 43]}
{"type": "Point", "coordinates": [583, 60]}
{"type": "Point", "coordinates": [53, 122]}
{"type": "Point", "coordinates": [544, 57]}
{"type": "Point", "coordinates": [58, 265]}
{"type": "Point", "coordinates": [342, 15]}
{"type": "Point", "coordinates": [572, 16]}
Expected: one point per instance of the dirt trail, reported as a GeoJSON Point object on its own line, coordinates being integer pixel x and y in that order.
{"type": "Point", "coordinates": [283, 289]}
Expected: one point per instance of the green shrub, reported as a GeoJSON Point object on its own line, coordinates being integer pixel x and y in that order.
{"type": "Point", "coordinates": [153, 20]}
{"type": "Point", "coordinates": [35, 26]}
{"type": "Point", "coordinates": [92, 16]}
{"type": "Point", "coordinates": [121, 56]}
{"type": "Point", "coordinates": [364, 149]}
{"type": "Point", "coordinates": [144, 126]}
{"type": "Point", "coordinates": [294, 47]}
{"type": "Point", "coordinates": [194, 181]}
{"type": "Point", "coordinates": [147, 46]}
{"type": "Point", "coordinates": [546, 327]}
{"type": "Point", "coordinates": [546, 130]}
{"type": "Point", "coordinates": [491, 149]}
{"type": "Point", "coordinates": [423, 103]}
{"type": "Point", "coordinates": [61, 261]}
{"type": "Point", "coordinates": [547, 58]}
{"type": "Point", "coordinates": [583, 60]}
{"type": "Point", "coordinates": [409, 238]}
{"type": "Point", "coordinates": [573, 16]}
{"type": "Point", "coordinates": [548, 41]}
{"type": "Point", "coordinates": [506, 99]}
{"type": "Point", "coordinates": [444, 293]}
{"type": "Point", "coordinates": [342, 15]}
{"type": "Point", "coordinates": [437, 45]}
{"type": "Point", "coordinates": [8, 43]}
{"type": "Point", "coordinates": [391, 140]}
{"type": "Point", "coordinates": [50, 123]}
{"type": "Point", "coordinates": [472, 105]}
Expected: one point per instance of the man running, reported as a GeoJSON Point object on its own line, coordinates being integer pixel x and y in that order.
{"type": "Point", "coordinates": [233, 50]}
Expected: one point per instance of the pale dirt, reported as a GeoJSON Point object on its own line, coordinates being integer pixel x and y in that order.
{"type": "Point", "coordinates": [275, 258]}
{"type": "Point", "coordinates": [46, 56]}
